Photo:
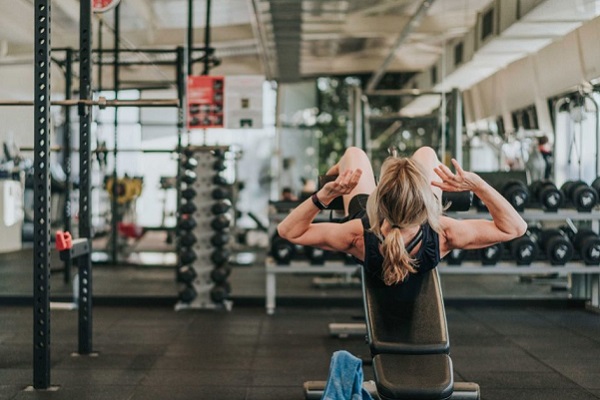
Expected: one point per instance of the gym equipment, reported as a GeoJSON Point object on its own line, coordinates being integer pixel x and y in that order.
{"type": "Point", "coordinates": [187, 294]}
{"type": "Point", "coordinates": [547, 194]}
{"type": "Point", "coordinates": [187, 223]}
{"type": "Point", "coordinates": [457, 201]}
{"type": "Point", "coordinates": [188, 208]}
{"type": "Point", "coordinates": [220, 222]}
{"type": "Point", "coordinates": [479, 204]}
{"type": "Point", "coordinates": [186, 274]}
{"type": "Point", "coordinates": [557, 246]}
{"type": "Point", "coordinates": [188, 152]}
{"type": "Point", "coordinates": [491, 254]}
{"type": "Point", "coordinates": [282, 250]}
{"type": "Point", "coordinates": [219, 180]}
{"type": "Point", "coordinates": [220, 274]}
{"type": "Point", "coordinates": [189, 193]}
{"type": "Point", "coordinates": [582, 196]}
{"type": "Point", "coordinates": [517, 194]}
{"type": "Point", "coordinates": [188, 239]}
{"type": "Point", "coordinates": [220, 193]}
{"type": "Point", "coordinates": [315, 255]}
{"type": "Point", "coordinates": [219, 239]}
{"type": "Point", "coordinates": [219, 165]}
{"type": "Point", "coordinates": [188, 256]}
{"type": "Point", "coordinates": [219, 293]}
{"type": "Point", "coordinates": [189, 176]}
{"type": "Point", "coordinates": [221, 207]}
{"type": "Point", "coordinates": [587, 244]}
{"type": "Point", "coordinates": [218, 153]}
{"type": "Point", "coordinates": [220, 256]}
{"type": "Point", "coordinates": [524, 249]}
{"type": "Point", "coordinates": [455, 257]}
{"type": "Point", "coordinates": [596, 185]}
{"type": "Point", "coordinates": [190, 163]}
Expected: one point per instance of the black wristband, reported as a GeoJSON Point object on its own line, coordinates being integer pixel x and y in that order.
{"type": "Point", "coordinates": [317, 202]}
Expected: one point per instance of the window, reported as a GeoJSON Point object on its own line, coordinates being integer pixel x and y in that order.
{"type": "Point", "coordinates": [487, 24]}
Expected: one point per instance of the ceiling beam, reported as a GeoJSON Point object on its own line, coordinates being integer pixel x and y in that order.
{"type": "Point", "coordinates": [406, 31]}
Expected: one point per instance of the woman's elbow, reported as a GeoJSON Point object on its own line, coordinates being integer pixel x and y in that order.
{"type": "Point", "coordinates": [520, 229]}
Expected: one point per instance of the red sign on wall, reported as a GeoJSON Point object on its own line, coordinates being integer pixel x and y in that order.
{"type": "Point", "coordinates": [100, 6]}
{"type": "Point", "coordinates": [205, 101]}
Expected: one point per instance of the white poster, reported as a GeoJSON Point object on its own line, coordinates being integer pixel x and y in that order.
{"type": "Point", "coordinates": [244, 102]}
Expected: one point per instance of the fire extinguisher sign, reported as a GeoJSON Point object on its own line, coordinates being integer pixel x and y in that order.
{"type": "Point", "coordinates": [205, 101]}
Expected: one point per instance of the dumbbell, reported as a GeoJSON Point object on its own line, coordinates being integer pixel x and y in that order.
{"type": "Point", "coordinates": [187, 294]}
{"type": "Point", "coordinates": [524, 249]}
{"type": "Point", "coordinates": [188, 208]}
{"type": "Point", "coordinates": [315, 255]}
{"type": "Point", "coordinates": [220, 222]}
{"type": "Point", "coordinates": [219, 180]}
{"type": "Point", "coordinates": [516, 193]}
{"type": "Point", "coordinates": [455, 257]}
{"type": "Point", "coordinates": [188, 256]}
{"type": "Point", "coordinates": [282, 250]}
{"type": "Point", "coordinates": [547, 194]}
{"type": "Point", "coordinates": [188, 152]}
{"type": "Point", "coordinates": [187, 224]}
{"type": "Point", "coordinates": [219, 239]}
{"type": "Point", "coordinates": [492, 254]}
{"type": "Point", "coordinates": [587, 244]}
{"type": "Point", "coordinates": [189, 193]}
{"type": "Point", "coordinates": [220, 193]}
{"type": "Point", "coordinates": [218, 153]}
{"type": "Point", "coordinates": [479, 204]}
{"type": "Point", "coordinates": [221, 207]}
{"type": "Point", "coordinates": [596, 185]}
{"type": "Point", "coordinates": [188, 239]}
{"type": "Point", "coordinates": [556, 246]}
{"type": "Point", "coordinates": [186, 274]}
{"type": "Point", "coordinates": [220, 293]}
{"type": "Point", "coordinates": [220, 257]}
{"type": "Point", "coordinates": [582, 196]}
{"type": "Point", "coordinates": [220, 274]}
{"type": "Point", "coordinates": [190, 163]}
{"type": "Point", "coordinates": [189, 176]}
{"type": "Point", "coordinates": [459, 201]}
{"type": "Point", "coordinates": [219, 165]}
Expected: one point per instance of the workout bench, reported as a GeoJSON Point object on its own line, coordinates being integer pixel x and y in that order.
{"type": "Point", "coordinates": [408, 338]}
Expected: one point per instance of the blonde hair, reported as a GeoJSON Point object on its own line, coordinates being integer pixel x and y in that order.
{"type": "Point", "coordinates": [403, 198]}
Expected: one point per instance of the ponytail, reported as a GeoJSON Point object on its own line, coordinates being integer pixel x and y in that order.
{"type": "Point", "coordinates": [397, 262]}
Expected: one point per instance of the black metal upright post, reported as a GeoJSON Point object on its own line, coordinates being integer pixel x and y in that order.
{"type": "Point", "coordinates": [115, 205]}
{"type": "Point", "coordinates": [181, 123]}
{"type": "Point", "coordinates": [100, 52]}
{"type": "Point", "coordinates": [207, 49]}
{"type": "Point", "coordinates": [41, 202]}
{"type": "Point", "coordinates": [85, 182]}
{"type": "Point", "coordinates": [190, 37]}
{"type": "Point", "coordinates": [67, 158]}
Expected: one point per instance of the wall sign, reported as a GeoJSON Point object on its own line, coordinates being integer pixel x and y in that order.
{"type": "Point", "coordinates": [100, 6]}
{"type": "Point", "coordinates": [206, 100]}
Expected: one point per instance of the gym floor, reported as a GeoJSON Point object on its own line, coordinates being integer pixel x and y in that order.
{"type": "Point", "coordinates": [517, 350]}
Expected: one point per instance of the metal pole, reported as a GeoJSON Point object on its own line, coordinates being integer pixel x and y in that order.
{"type": "Point", "coordinates": [67, 158]}
{"type": "Point", "coordinates": [190, 36]}
{"type": "Point", "coordinates": [85, 183]}
{"type": "Point", "coordinates": [41, 189]}
{"type": "Point", "coordinates": [181, 123]}
{"type": "Point", "coordinates": [457, 124]}
{"type": "Point", "coordinates": [114, 204]}
{"type": "Point", "coordinates": [207, 50]}
{"type": "Point", "coordinates": [100, 26]}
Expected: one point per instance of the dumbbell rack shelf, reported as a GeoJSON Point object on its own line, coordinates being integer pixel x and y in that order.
{"type": "Point", "coordinates": [472, 267]}
{"type": "Point", "coordinates": [272, 269]}
{"type": "Point", "coordinates": [538, 215]}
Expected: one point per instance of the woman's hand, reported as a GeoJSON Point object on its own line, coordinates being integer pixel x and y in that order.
{"type": "Point", "coordinates": [341, 186]}
{"type": "Point", "coordinates": [459, 182]}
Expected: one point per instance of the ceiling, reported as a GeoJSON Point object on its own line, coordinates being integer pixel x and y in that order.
{"type": "Point", "coordinates": [286, 40]}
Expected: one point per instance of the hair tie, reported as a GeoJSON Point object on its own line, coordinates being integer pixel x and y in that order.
{"type": "Point", "coordinates": [396, 227]}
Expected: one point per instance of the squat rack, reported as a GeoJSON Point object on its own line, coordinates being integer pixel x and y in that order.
{"type": "Point", "coordinates": [41, 247]}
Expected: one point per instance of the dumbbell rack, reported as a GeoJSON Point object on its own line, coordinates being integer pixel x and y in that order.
{"type": "Point", "coordinates": [202, 285]}
{"type": "Point", "coordinates": [585, 279]}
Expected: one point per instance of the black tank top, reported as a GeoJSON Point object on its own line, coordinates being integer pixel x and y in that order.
{"type": "Point", "coordinates": [427, 258]}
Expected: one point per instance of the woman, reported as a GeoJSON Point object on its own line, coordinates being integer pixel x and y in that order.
{"type": "Point", "coordinates": [396, 227]}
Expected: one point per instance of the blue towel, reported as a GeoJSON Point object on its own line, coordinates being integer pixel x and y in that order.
{"type": "Point", "coordinates": [345, 378]}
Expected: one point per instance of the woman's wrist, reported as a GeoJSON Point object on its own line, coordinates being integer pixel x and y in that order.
{"type": "Point", "coordinates": [324, 197]}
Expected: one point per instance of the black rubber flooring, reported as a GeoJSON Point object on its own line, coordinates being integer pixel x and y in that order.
{"type": "Point", "coordinates": [150, 353]}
